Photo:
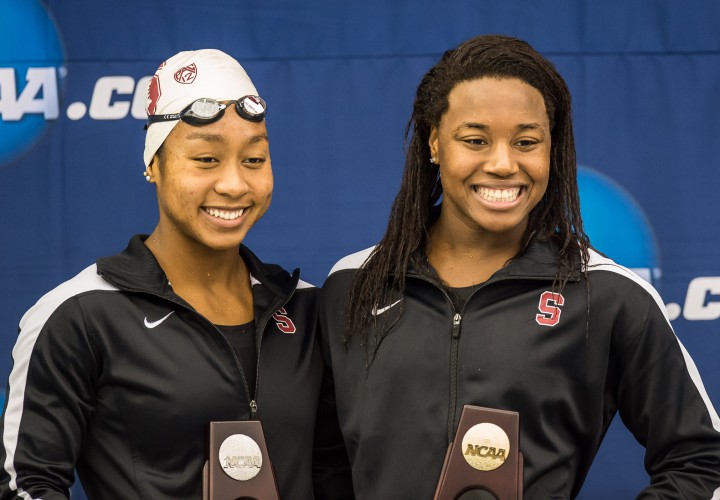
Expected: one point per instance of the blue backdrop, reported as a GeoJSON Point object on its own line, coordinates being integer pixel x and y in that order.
{"type": "Point", "coordinates": [339, 79]}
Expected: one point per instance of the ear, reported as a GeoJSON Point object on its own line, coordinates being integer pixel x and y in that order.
{"type": "Point", "coordinates": [148, 173]}
{"type": "Point", "coordinates": [154, 164]}
{"type": "Point", "coordinates": [433, 142]}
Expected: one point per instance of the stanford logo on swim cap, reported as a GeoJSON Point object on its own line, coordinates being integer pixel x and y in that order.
{"type": "Point", "coordinates": [154, 94]}
{"type": "Point", "coordinates": [154, 91]}
{"type": "Point", "coordinates": [186, 74]}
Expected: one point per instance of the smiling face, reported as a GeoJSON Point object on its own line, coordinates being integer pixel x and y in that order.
{"type": "Point", "coordinates": [493, 148]}
{"type": "Point", "coordinates": [213, 182]}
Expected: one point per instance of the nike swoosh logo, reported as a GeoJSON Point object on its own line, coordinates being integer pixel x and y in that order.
{"type": "Point", "coordinates": [378, 312]}
{"type": "Point", "coordinates": [153, 324]}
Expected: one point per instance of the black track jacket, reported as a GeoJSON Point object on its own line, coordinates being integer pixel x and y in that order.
{"type": "Point", "coordinates": [566, 365]}
{"type": "Point", "coordinates": [116, 375]}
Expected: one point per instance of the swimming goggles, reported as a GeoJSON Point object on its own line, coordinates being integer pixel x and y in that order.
{"type": "Point", "coordinates": [206, 110]}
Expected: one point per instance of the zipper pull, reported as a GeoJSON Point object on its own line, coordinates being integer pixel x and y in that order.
{"type": "Point", "coordinates": [253, 409]}
{"type": "Point", "coordinates": [456, 325]}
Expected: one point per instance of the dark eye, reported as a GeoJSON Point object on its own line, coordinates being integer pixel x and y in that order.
{"type": "Point", "coordinates": [475, 141]}
{"type": "Point", "coordinates": [526, 143]}
{"type": "Point", "coordinates": [207, 160]}
{"type": "Point", "coordinates": [255, 161]}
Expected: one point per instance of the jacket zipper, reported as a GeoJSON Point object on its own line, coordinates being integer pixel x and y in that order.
{"type": "Point", "coordinates": [454, 352]}
{"type": "Point", "coordinates": [259, 331]}
{"type": "Point", "coordinates": [455, 341]}
{"type": "Point", "coordinates": [454, 347]}
{"type": "Point", "coordinates": [253, 404]}
{"type": "Point", "coordinates": [253, 409]}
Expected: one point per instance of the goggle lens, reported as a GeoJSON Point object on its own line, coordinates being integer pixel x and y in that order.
{"type": "Point", "coordinates": [253, 105]}
{"type": "Point", "coordinates": [205, 109]}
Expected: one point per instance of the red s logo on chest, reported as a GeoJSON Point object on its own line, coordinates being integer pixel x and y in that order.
{"type": "Point", "coordinates": [549, 307]}
{"type": "Point", "coordinates": [283, 322]}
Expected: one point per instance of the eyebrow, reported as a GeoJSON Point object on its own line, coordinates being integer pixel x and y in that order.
{"type": "Point", "coordinates": [258, 138]}
{"type": "Point", "coordinates": [219, 138]}
{"type": "Point", "coordinates": [204, 137]}
{"type": "Point", "coordinates": [484, 127]}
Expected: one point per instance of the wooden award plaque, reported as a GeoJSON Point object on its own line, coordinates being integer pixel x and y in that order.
{"type": "Point", "coordinates": [484, 461]}
{"type": "Point", "coordinates": [238, 466]}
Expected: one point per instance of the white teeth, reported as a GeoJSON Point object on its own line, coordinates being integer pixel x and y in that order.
{"type": "Point", "coordinates": [505, 195]}
{"type": "Point", "coordinates": [225, 214]}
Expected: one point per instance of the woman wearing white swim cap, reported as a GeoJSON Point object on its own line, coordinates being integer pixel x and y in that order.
{"type": "Point", "coordinates": [119, 371]}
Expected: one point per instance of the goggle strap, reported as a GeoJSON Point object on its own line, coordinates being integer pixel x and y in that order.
{"type": "Point", "coordinates": [163, 118]}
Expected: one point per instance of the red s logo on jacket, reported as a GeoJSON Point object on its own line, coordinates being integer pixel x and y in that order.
{"type": "Point", "coordinates": [549, 306]}
{"type": "Point", "coordinates": [283, 322]}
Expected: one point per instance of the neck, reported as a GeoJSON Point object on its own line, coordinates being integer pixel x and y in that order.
{"type": "Point", "coordinates": [215, 282]}
{"type": "Point", "coordinates": [188, 263]}
{"type": "Point", "coordinates": [463, 257]}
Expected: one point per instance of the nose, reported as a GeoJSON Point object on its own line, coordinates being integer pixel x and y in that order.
{"type": "Point", "coordinates": [231, 180]}
{"type": "Point", "coordinates": [500, 160]}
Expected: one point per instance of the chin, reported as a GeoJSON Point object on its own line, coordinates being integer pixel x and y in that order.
{"type": "Point", "coordinates": [226, 243]}
{"type": "Point", "coordinates": [502, 228]}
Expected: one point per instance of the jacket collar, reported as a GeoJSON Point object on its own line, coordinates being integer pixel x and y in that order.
{"type": "Point", "coordinates": [538, 262]}
{"type": "Point", "coordinates": [136, 269]}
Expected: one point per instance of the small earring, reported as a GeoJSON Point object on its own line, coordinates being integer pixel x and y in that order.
{"type": "Point", "coordinates": [147, 175]}
{"type": "Point", "coordinates": [433, 160]}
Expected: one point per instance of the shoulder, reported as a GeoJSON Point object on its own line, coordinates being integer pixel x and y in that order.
{"type": "Point", "coordinates": [304, 285]}
{"type": "Point", "coordinates": [600, 264]}
{"type": "Point", "coordinates": [272, 283]}
{"type": "Point", "coordinates": [58, 309]}
{"type": "Point", "coordinates": [273, 276]}
{"type": "Point", "coordinates": [621, 282]}
{"type": "Point", "coordinates": [300, 285]}
{"type": "Point", "coordinates": [85, 281]}
{"type": "Point", "coordinates": [352, 262]}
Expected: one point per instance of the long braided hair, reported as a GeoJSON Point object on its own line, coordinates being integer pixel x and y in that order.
{"type": "Point", "coordinates": [557, 215]}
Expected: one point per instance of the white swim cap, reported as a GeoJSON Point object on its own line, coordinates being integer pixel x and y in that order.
{"type": "Point", "coordinates": [188, 76]}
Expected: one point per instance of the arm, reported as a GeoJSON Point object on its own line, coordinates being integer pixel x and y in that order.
{"type": "Point", "coordinates": [49, 402]}
{"type": "Point", "coordinates": [662, 401]}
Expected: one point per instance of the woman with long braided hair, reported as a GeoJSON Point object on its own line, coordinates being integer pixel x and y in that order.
{"type": "Point", "coordinates": [485, 291]}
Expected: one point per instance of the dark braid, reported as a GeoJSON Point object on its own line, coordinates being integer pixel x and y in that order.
{"type": "Point", "coordinates": [557, 215]}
